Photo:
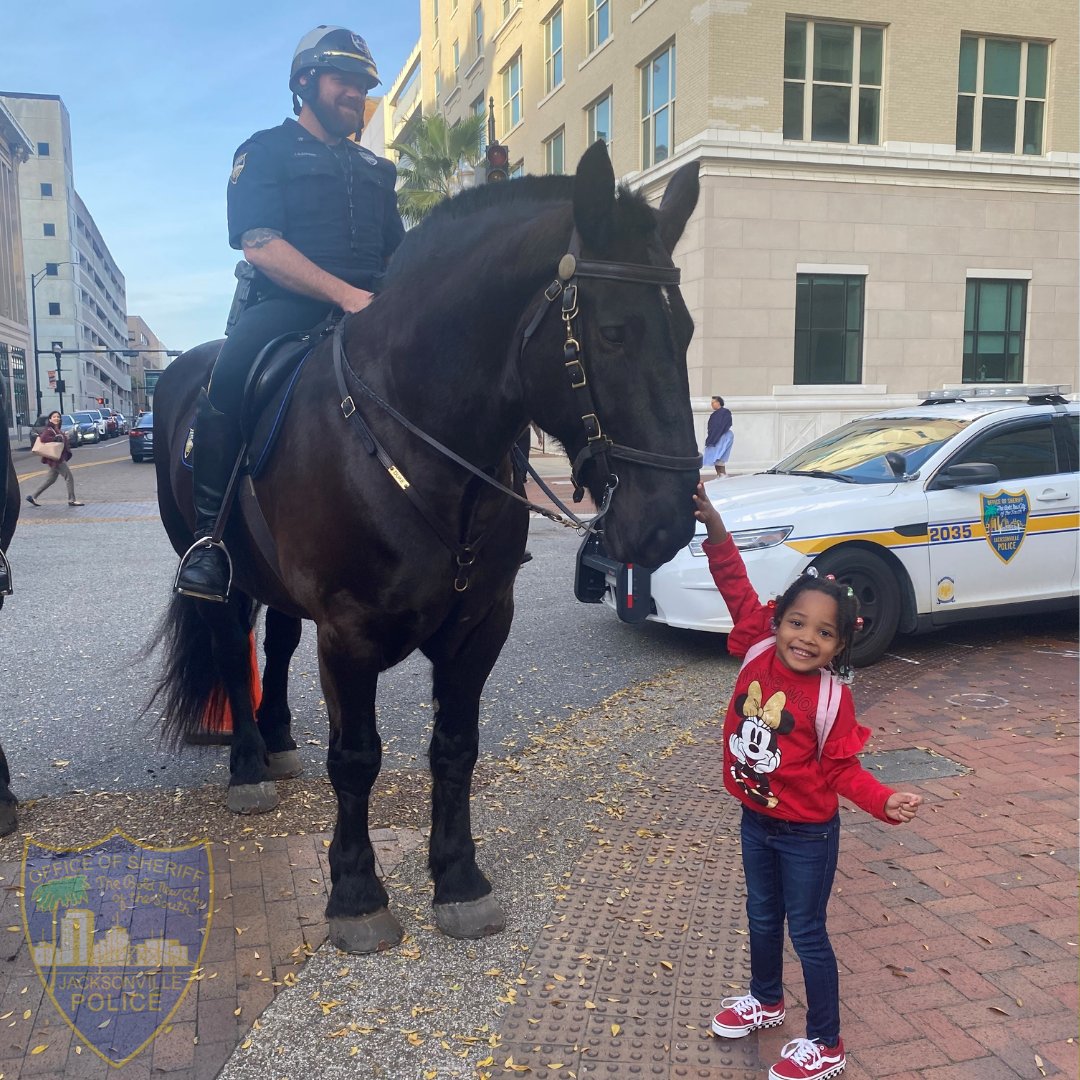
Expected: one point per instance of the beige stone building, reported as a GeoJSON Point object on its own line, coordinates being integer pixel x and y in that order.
{"type": "Point", "coordinates": [889, 190]}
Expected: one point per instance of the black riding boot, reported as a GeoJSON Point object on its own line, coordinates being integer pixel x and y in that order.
{"type": "Point", "coordinates": [205, 570]}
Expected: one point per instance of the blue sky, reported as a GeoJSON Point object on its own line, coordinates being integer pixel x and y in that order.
{"type": "Point", "coordinates": [160, 94]}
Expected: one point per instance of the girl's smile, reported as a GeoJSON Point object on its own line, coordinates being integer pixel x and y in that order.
{"type": "Point", "coordinates": [807, 638]}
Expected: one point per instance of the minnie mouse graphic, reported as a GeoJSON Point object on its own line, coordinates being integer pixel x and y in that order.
{"type": "Point", "coordinates": [755, 745]}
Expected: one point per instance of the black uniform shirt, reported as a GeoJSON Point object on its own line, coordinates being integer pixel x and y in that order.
{"type": "Point", "coordinates": [335, 204]}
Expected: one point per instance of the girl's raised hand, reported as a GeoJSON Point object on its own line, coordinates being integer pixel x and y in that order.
{"type": "Point", "coordinates": [706, 513]}
{"type": "Point", "coordinates": [902, 806]}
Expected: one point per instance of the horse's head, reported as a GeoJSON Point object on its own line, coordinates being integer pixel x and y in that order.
{"type": "Point", "coordinates": [619, 402]}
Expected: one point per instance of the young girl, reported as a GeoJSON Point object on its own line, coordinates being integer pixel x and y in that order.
{"type": "Point", "coordinates": [790, 747]}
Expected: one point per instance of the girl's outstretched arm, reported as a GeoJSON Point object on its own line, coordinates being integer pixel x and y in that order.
{"type": "Point", "coordinates": [709, 516]}
{"type": "Point", "coordinates": [902, 806]}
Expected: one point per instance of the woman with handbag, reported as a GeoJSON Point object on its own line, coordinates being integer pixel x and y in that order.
{"type": "Point", "coordinates": [52, 446]}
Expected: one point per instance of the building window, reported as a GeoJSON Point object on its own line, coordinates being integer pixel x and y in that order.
{"type": "Point", "coordinates": [46, 191]}
{"type": "Point", "coordinates": [48, 228]}
{"type": "Point", "coordinates": [453, 6]}
{"type": "Point", "coordinates": [511, 94]}
{"type": "Point", "coordinates": [438, 83]}
{"type": "Point", "coordinates": [52, 269]}
{"type": "Point", "coordinates": [994, 317]}
{"type": "Point", "coordinates": [598, 121]}
{"type": "Point", "coordinates": [832, 82]}
{"type": "Point", "coordinates": [657, 107]}
{"type": "Point", "coordinates": [478, 29]}
{"type": "Point", "coordinates": [1001, 96]}
{"type": "Point", "coordinates": [435, 19]}
{"type": "Point", "coordinates": [506, 9]}
{"type": "Point", "coordinates": [43, 149]}
{"type": "Point", "coordinates": [517, 169]}
{"type": "Point", "coordinates": [553, 154]}
{"type": "Point", "coordinates": [54, 308]}
{"type": "Point", "coordinates": [828, 329]}
{"type": "Point", "coordinates": [598, 23]}
{"type": "Point", "coordinates": [455, 50]}
{"type": "Point", "coordinates": [480, 109]}
{"type": "Point", "coordinates": [553, 51]}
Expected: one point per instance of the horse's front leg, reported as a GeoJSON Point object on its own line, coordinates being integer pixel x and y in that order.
{"type": "Point", "coordinates": [357, 913]}
{"type": "Point", "coordinates": [274, 717]}
{"type": "Point", "coordinates": [464, 906]}
{"type": "Point", "coordinates": [8, 803]}
{"type": "Point", "coordinates": [251, 789]}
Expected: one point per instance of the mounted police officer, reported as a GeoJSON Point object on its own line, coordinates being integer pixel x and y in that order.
{"type": "Point", "coordinates": [316, 217]}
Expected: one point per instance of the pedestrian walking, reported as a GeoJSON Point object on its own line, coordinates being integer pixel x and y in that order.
{"type": "Point", "coordinates": [719, 437]}
{"type": "Point", "coordinates": [791, 744]}
{"type": "Point", "coordinates": [59, 467]}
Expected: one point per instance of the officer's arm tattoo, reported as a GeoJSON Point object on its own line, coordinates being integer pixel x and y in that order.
{"type": "Point", "coordinates": [257, 238]}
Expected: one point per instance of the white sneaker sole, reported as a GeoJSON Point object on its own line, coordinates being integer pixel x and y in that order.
{"type": "Point", "coordinates": [738, 1033]}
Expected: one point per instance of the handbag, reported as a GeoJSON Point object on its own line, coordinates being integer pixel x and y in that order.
{"type": "Point", "coordinates": [48, 451]}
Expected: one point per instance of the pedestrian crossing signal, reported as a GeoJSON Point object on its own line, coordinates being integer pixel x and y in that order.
{"type": "Point", "coordinates": [497, 158]}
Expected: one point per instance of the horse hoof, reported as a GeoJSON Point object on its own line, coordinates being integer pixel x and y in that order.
{"type": "Point", "coordinates": [285, 764]}
{"type": "Point", "coordinates": [471, 919]}
{"type": "Point", "coordinates": [252, 798]}
{"type": "Point", "coordinates": [9, 818]}
{"type": "Point", "coordinates": [376, 932]}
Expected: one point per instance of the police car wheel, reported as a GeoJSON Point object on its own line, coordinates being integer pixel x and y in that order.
{"type": "Point", "coordinates": [878, 594]}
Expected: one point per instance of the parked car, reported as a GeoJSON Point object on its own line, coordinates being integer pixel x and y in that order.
{"type": "Point", "coordinates": [122, 424]}
{"type": "Point", "coordinates": [89, 427]}
{"type": "Point", "coordinates": [36, 428]}
{"type": "Point", "coordinates": [99, 420]}
{"type": "Point", "coordinates": [70, 427]}
{"type": "Point", "coordinates": [141, 438]}
{"type": "Point", "coordinates": [960, 508]}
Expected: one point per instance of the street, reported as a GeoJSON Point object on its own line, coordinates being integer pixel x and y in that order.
{"type": "Point", "coordinates": [92, 581]}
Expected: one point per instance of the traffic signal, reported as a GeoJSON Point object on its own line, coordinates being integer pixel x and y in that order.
{"type": "Point", "coordinates": [100, 400]}
{"type": "Point", "coordinates": [497, 158]}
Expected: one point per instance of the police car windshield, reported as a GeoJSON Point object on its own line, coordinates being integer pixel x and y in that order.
{"type": "Point", "coordinates": [874, 450]}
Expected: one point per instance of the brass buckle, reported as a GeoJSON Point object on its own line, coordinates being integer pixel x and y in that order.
{"type": "Point", "coordinates": [594, 427]}
{"type": "Point", "coordinates": [576, 370]}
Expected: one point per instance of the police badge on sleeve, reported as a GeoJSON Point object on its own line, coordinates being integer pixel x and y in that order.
{"type": "Point", "coordinates": [116, 933]}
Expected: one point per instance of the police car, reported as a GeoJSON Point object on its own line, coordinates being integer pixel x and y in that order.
{"type": "Point", "coordinates": [962, 507]}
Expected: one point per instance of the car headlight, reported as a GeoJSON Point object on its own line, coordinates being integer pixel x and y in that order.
{"type": "Point", "coordinates": [749, 539]}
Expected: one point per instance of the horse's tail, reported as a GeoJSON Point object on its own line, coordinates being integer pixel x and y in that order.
{"type": "Point", "coordinates": [190, 685]}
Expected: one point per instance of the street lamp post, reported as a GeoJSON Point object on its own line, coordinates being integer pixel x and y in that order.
{"type": "Point", "coordinates": [35, 280]}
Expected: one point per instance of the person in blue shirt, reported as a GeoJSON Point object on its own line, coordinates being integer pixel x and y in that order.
{"type": "Point", "coordinates": [315, 215]}
{"type": "Point", "coordinates": [718, 437]}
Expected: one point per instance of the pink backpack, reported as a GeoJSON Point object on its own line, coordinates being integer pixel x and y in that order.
{"type": "Point", "coordinates": [828, 705]}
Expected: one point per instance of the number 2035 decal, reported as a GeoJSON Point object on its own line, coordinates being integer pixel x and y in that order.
{"type": "Point", "coordinates": [941, 533]}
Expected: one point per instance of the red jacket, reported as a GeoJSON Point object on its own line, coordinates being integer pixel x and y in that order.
{"type": "Point", "coordinates": [771, 761]}
{"type": "Point", "coordinates": [51, 434]}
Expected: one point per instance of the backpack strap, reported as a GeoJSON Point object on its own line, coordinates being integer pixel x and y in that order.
{"type": "Point", "coordinates": [828, 707]}
{"type": "Point", "coordinates": [756, 650]}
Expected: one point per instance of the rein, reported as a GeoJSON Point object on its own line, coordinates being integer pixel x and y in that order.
{"type": "Point", "coordinates": [598, 445]}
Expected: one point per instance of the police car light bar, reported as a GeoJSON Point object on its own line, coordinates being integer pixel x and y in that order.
{"type": "Point", "coordinates": [1004, 391]}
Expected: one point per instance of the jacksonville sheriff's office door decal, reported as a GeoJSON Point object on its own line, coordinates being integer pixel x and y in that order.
{"type": "Point", "coordinates": [116, 932]}
{"type": "Point", "coordinates": [1005, 518]}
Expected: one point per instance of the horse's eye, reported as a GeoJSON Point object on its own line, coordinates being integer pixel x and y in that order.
{"type": "Point", "coordinates": [612, 334]}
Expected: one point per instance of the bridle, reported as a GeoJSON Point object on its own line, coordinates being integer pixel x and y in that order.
{"type": "Point", "coordinates": [598, 445]}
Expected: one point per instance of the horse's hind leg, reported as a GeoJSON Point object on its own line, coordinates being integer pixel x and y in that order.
{"type": "Point", "coordinates": [251, 789]}
{"type": "Point", "coordinates": [464, 906]}
{"type": "Point", "coordinates": [275, 720]}
{"type": "Point", "coordinates": [357, 913]}
{"type": "Point", "coordinates": [8, 815]}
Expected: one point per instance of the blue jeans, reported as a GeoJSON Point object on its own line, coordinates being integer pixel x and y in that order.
{"type": "Point", "coordinates": [789, 868]}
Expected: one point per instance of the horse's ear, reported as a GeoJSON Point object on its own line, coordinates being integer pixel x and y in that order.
{"type": "Point", "coordinates": [678, 204]}
{"type": "Point", "coordinates": [594, 196]}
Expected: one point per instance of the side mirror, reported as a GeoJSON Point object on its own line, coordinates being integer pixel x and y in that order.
{"type": "Point", "coordinates": [969, 474]}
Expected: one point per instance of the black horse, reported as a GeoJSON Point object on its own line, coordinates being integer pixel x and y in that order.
{"type": "Point", "coordinates": [388, 544]}
{"type": "Point", "coordinates": [9, 515]}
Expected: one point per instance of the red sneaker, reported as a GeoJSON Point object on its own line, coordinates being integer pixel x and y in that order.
{"type": "Point", "coordinates": [805, 1059]}
{"type": "Point", "coordinates": [738, 1016]}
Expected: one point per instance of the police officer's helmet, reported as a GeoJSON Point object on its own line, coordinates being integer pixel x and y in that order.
{"type": "Point", "coordinates": [330, 48]}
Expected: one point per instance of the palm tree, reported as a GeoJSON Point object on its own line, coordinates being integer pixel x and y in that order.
{"type": "Point", "coordinates": [51, 896]}
{"type": "Point", "coordinates": [430, 159]}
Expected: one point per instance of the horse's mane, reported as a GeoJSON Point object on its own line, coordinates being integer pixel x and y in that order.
{"type": "Point", "coordinates": [495, 208]}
